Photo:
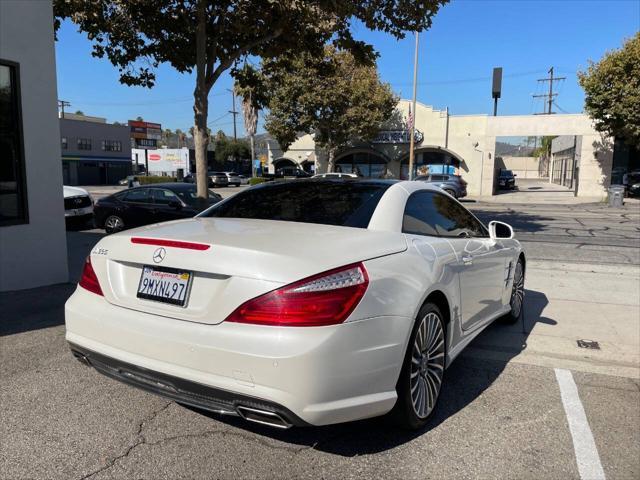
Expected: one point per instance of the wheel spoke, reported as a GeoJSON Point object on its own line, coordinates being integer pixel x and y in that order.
{"type": "Point", "coordinates": [437, 346]}
{"type": "Point", "coordinates": [427, 364]}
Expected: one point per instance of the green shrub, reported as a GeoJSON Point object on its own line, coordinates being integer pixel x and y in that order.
{"type": "Point", "coordinates": [146, 180]}
{"type": "Point", "coordinates": [256, 180]}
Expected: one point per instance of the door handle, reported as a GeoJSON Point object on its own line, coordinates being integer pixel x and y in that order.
{"type": "Point", "coordinates": [467, 260]}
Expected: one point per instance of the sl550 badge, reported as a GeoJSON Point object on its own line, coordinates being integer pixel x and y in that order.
{"type": "Point", "coordinates": [100, 251]}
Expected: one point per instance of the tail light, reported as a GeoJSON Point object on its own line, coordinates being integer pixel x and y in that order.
{"type": "Point", "coordinates": [324, 299]}
{"type": "Point", "coordinates": [89, 280]}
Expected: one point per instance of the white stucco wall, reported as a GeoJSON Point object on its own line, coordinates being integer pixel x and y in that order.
{"type": "Point", "coordinates": [35, 254]}
{"type": "Point", "coordinates": [472, 139]}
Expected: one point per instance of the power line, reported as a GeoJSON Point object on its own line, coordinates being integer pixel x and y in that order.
{"type": "Point", "coordinates": [137, 104]}
{"type": "Point", "coordinates": [212, 122]}
{"type": "Point", "coordinates": [549, 96]}
{"type": "Point", "coordinates": [470, 80]}
{"type": "Point", "coordinates": [559, 107]}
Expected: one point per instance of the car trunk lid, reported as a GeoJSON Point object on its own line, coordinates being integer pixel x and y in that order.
{"type": "Point", "coordinates": [231, 260]}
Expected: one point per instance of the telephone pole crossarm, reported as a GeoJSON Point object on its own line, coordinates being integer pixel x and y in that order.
{"type": "Point", "coordinates": [549, 96]}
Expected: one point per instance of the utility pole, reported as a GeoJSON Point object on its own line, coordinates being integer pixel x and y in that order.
{"type": "Point", "coordinates": [412, 128]}
{"type": "Point", "coordinates": [549, 96]}
{"type": "Point", "coordinates": [233, 111]}
{"type": "Point", "coordinates": [62, 104]}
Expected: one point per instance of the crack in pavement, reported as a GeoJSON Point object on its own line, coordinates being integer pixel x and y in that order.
{"type": "Point", "coordinates": [140, 439]}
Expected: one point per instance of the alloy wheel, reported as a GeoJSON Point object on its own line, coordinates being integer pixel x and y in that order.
{"type": "Point", "coordinates": [427, 365]}
{"type": "Point", "coordinates": [113, 223]}
{"type": "Point", "coordinates": [517, 293]}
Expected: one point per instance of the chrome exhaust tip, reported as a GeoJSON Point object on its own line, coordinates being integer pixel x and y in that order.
{"type": "Point", "coordinates": [263, 417]}
{"type": "Point", "coordinates": [81, 358]}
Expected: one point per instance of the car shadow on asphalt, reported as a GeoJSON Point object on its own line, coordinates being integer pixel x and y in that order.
{"type": "Point", "coordinates": [519, 221]}
{"type": "Point", "coordinates": [466, 380]}
{"type": "Point", "coordinates": [43, 307]}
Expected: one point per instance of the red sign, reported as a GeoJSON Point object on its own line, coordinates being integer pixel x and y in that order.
{"type": "Point", "coordinates": [155, 157]}
{"type": "Point", "coordinates": [135, 123]}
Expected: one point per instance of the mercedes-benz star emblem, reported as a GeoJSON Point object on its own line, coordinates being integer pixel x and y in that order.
{"type": "Point", "coordinates": [159, 255]}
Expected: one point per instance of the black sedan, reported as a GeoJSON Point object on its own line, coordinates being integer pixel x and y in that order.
{"type": "Point", "coordinates": [149, 204]}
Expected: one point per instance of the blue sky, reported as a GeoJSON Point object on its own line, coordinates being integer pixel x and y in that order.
{"type": "Point", "coordinates": [468, 38]}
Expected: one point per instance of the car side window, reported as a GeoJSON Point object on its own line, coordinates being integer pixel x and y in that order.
{"type": "Point", "coordinates": [434, 214]}
{"type": "Point", "coordinates": [162, 196]}
{"type": "Point", "coordinates": [139, 195]}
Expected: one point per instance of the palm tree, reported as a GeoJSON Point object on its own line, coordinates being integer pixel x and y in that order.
{"type": "Point", "coordinates": [250, 116]}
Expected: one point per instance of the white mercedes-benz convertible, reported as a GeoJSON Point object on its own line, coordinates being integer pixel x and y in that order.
{"type": "Point", "coordinates": [309, 302]}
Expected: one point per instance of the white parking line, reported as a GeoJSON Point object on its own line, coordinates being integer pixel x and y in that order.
{"type": "Point", "coordinates": [589, 465]}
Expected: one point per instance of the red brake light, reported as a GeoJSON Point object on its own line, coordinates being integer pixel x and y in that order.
{"type": "Point", "coordinates": [89, 280]}
{"type": "Point", "coordinates": [324, 299]}
{"type": "Point", "coordinates": [170, 243]}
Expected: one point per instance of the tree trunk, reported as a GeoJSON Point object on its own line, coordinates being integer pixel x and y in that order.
{"type": "Point", "coordinates": [253, 156]}
{"type": "Point", "coordinates": [331, 160]}
{"type": "Point", "coordinates": [201, 104]}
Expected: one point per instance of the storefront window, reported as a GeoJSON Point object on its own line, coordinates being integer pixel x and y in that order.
{"type": "Point", "coordinates": [429, 162]}
{"type": "Point", "coordinates": [13, 194]}
{"type": "Point", "coordinates": [365, 164]}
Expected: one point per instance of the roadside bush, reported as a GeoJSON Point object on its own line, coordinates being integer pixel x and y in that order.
{"type": "Point", "coordinates": [146, 180]}
{"type": "Point", "coordinates": [256, 180]}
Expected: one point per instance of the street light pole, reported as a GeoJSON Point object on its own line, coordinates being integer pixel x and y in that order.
{"type": "Point", "coordinates": [413, 118]}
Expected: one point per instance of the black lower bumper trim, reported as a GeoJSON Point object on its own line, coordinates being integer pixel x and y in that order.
{"type": "Point", "coordinates": [178, 389]}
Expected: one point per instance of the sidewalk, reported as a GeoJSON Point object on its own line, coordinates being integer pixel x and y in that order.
{"type": "Point", "coordinates": [540, 191]}
{"type": "Point", "coordinates": [566, 303]}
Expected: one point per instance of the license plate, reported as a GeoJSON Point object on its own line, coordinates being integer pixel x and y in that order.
{"type": "Point", "coordinates": [166, 285]}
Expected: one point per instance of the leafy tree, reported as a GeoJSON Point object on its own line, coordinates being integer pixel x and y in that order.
{"type": "Point", "coordinates": [228, 148]}
{"type": "Point", "coordinates": [139, 119]}
{"type": "Point", "coordinates": [79, 112]}
{"type": "Point", "coordinates": [208, 37]}
{"type": "Point", "coordinates": [612, 88]}
{"type": "Point", "coordinates": [332, 96]}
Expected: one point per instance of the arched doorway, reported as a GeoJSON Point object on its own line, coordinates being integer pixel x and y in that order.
{"type": "Point", "coordinates": [282, 162]}
{"type": "Point", "coordinates": [366, 163]}
{"type": "Point", "coordinates": [431, 160]}
{"type": "Point", "coordinates": [308, 166]}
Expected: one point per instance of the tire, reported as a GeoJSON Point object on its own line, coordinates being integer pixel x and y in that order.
{"type": "Point", "coordinates": [517, 294]}
{"type": "Point", "coordinates": [113, 224]}
{"type": "Point", "coordinates": [422, 374]}
{"type": "Point", "coordinates": [451, 192]}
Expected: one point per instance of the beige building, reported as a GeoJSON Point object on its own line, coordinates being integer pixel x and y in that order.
{"type": "Point", "coordinates": [474, 146]}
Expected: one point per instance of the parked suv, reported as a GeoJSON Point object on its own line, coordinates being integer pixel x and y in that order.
{"type": "Point", "coordinates": [507, 180]}
{"type": "Point", "coordinates": [78, 204]}
{"type": "Point", "coordinates": [454, 185]}
{"type": "Point", "coordinates": [218, 179]}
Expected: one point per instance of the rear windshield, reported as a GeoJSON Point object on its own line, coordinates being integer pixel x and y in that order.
{"type": "Point", "coordinates": [329, 203]}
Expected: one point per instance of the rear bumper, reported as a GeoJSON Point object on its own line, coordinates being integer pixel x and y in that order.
{"type": "Point", "coordinates": [308, 375]}
{"type": "Point", "coordinates": [185, 391]}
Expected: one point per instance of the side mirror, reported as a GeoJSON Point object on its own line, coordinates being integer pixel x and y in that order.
{"type": "Point", "coordinates": [500, 230]}
{"type": "Point", "coordinates": [175, 204]}
{"type": "Point", "coordinates": [515, 174]}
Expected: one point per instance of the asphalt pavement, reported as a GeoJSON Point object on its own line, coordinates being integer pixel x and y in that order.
{"type": "Point", "coordinates": [523, 401]}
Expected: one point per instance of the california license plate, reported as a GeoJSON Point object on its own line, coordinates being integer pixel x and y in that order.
{"type": "Point", "coordinates": [166, 285]}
